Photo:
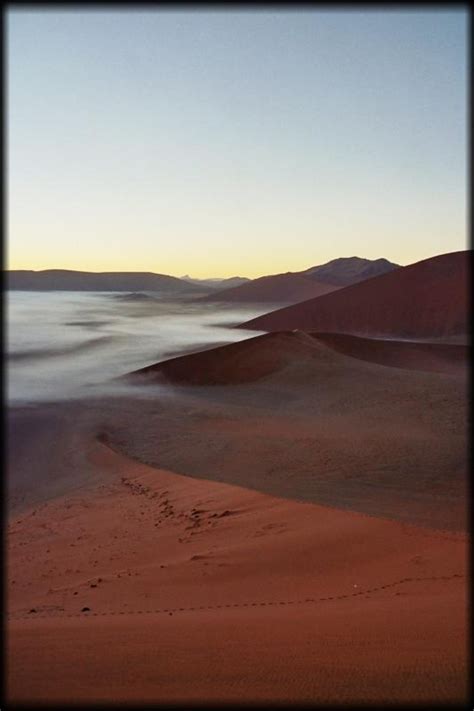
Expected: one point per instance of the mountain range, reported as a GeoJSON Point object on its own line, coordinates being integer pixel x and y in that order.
{"type": "Point", "coordinates": [349, 270]}
{"type": "Point", "coordinates": [68, 280]}
{"type": "Point", "coordinates": [287, 288]}
{"type": "Point", "coordinates": [293, 287]}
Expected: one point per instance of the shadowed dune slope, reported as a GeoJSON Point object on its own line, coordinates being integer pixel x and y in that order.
{"type": "Point", "coordinates": [259, 357]}
{"type": "Point", "coordinates": [289, 415]}
{"type": "Point", "coordinates": [428, 299]}
{"type": "Point", "coordinates": [242, 362]}
{"type": "Point", "coordinates": [436, 357]}
{"type": "Point", "coordinates": [277, 288]}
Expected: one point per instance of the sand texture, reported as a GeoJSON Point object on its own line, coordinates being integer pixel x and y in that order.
{"type": "Point", "coordinates": [277, 520]}
{"type": "Point", "coordinates": [203, 591]}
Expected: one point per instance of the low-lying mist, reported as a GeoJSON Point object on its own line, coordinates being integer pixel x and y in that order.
{"type": "Point", "coordinates": [63, 345]}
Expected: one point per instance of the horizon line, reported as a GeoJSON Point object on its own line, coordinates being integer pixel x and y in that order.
{"type": "Point", "coordinates": [183, 276]}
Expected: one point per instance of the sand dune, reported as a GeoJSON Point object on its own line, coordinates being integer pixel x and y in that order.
{"type": "Point", "coordinates": [277, 288]}
{"type": "Point", "coordinates": [285, 522]}
{"type": "Point", "coordinates": [436, 357]}
{"type": "Point", "coordinates": [255, 358]}
{"type": "Point", "coordinates": [241, 362]}
{"type": "Point", "coordinates": [293, 287]}
{"type": "Point", "coordinates": [157, 587]}
{"type": "Point", "coordinates": [286, 414]}
{"type": "Point", "coordinates": [428, 299]}
{"type": "Point", "coordinates": [47, 454]}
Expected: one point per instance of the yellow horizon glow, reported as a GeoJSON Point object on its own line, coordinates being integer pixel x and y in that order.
{"type": "Point", "coordinates": [241, 144]}
{"type": "Point", "coordinates": [248, 258]}
{"type": "Point", "coordinates": [251, 268]}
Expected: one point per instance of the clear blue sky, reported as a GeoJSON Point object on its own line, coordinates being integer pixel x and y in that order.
{"type": "Point", "coordinates": [217, 143]}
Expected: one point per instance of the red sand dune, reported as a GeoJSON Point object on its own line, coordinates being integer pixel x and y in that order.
{"type": "Point", "coordinates": [158, 587]}
{"type": "Point", "coordinates": [428, 299]}
{"type": "Point", "coordinates": [241, 362]}
{"type": "Point", "coordinates": [435, 357]}
{"type": "Point", "coordinates": [259, 357]}
{"type": "Point", "coordinates": [314, 424]}
{"type": "Point", "coordinates": [277, 288]}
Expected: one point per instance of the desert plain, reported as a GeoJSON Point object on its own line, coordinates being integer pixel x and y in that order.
{"type": "Point", "coordinates": [287, 524]}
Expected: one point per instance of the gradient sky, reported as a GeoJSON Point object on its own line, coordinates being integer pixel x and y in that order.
{"type": "Point", "coordinates": [216, 143]}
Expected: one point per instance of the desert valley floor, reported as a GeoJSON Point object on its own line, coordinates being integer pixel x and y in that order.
{"type": "Point", "coordinates": [288, 523]}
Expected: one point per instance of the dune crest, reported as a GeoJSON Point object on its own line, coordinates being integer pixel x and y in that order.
{"type": "Point", "coordinates": [241, 362]}
{"type": "Point", "coordinates": [412, 355]}
{"type": "Point", "coordinates": [255, 358]}
{"type": "Point", "coordinates": [428, 299]}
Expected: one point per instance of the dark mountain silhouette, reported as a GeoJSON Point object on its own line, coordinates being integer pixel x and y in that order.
{"type": "Point", "coordinates": [277, 288]}
{"type": "Point", "coordinates": [349, 270]}
{"type": "Point", "coordinates": [67, 280]}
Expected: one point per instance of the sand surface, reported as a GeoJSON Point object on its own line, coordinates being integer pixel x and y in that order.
{"type": "Point", "coordinates": [269, 599]}
{"type": "Point", "coordinates": [423, 300]}
{"type": "Point", "coordinates": [450, 358]}
{"type": "Point", "coordinates": [295, 532]}
{"type": "Point", "coordinates": [255, 358]}
{"type": "Point", "coordinates": [319, 425]}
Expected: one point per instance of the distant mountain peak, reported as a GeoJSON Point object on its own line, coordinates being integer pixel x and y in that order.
{"type": "Point", "coordinates": [344, 271]}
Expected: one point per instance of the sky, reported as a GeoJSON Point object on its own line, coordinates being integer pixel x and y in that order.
{"type": "Point", "coordinates": [222, 143]}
